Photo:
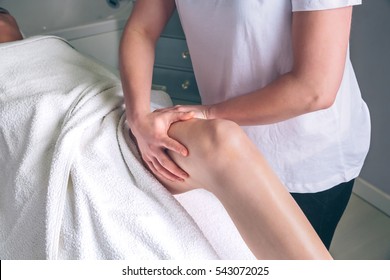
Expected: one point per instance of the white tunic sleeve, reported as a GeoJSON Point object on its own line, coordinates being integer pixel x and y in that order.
{"type": "Point", "coordinates": [313, 5]}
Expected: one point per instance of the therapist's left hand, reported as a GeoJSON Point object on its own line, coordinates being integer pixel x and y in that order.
{"type": "Point", "coordinates": [200, 111]}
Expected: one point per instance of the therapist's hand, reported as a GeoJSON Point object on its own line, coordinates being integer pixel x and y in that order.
{"type": "Point", "coordinates": [151, 133]}
{"type": "Point", "coordinates": [199, 111]}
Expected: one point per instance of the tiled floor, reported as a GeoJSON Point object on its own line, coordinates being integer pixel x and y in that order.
{"type": "Point", "coordinates": [362, 234]}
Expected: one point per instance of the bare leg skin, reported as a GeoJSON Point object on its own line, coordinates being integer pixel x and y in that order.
{"type": "Point", "coordinates": [9, 30]}
{"type": "Point", "coordinates": [225, 162]}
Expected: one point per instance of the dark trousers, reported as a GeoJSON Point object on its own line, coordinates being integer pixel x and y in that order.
{"type": "Point", "coordinates": [324, 209]}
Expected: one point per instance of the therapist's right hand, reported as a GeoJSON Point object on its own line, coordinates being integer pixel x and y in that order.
{"type": "Point", "coordinates": [151, 133]}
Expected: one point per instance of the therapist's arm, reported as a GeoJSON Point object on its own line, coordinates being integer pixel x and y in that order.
{"type": "Point", "coordinates": [320, 42]}
{"type": "Point", "coordinates": [137, 51]}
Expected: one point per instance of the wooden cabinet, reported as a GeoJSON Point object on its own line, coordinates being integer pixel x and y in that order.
{"type": "Point", "coordinates": [173, 69]}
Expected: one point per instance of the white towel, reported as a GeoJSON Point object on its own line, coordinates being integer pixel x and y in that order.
{"type": "Point", "coordinates": [72, 185]}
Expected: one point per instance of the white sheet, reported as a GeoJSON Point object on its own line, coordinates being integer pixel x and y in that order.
{"type": "Point", "coordinates": [72, 185]}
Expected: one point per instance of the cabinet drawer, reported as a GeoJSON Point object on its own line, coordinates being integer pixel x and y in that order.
{"type": "Point", "coordinates": [173, 52]}
{"type": "Point", "coordinates": [181, 85]}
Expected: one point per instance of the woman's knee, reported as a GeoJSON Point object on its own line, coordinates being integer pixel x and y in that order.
{"type": "Point", "coordinates": [214, 144]}
{"type": "Point", "coordinates": [222, 138]}
{"type": "Point", "coordinates": [211, 143]}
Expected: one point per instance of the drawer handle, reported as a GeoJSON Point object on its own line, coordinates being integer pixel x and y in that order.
{"type": "Point", "coordinates": [185, 54]}
{"type": "Point", "coordinates": [185, 85]}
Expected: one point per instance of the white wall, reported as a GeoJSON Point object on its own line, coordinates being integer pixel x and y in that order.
{"type": "Point", "coordinates": [370, 54]}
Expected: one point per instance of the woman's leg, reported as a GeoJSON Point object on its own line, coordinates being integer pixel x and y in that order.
{"type": "Point", "coordinates": [224, 161]}
{"type": "Point", "coordinates": [9, 30]}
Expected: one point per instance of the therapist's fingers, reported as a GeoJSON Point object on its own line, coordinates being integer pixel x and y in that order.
{"type": "Point", "coordinates": [167, 168]}
{"type": "Point", "coordinates": [195, 111]}
{"type": "Point", "coordinates": [182, 116]}
{"type": "Point", "coordinates": [153, 142]}
{"type": "Point", "coordinates": [175, 146]}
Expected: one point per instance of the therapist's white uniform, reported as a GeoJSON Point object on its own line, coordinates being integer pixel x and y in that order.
{"type": "Point", "coordinates": [238, 46]}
